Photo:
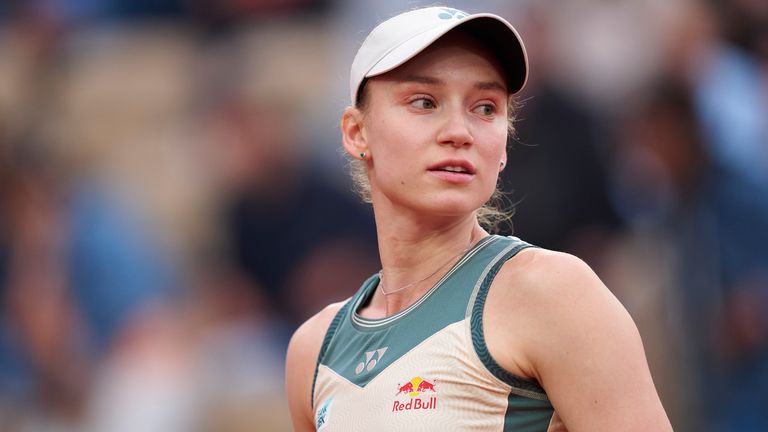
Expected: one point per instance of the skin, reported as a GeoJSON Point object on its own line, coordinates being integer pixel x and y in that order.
{"type": "Point", "coordinates": [548, 317]}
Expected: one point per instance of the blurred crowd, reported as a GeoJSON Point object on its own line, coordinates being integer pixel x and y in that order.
{"type": "Point", "coordinates": [174, 201]}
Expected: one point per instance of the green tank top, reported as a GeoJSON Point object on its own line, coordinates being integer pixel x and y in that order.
{"type": "Point", "coordinates": [426, 368]}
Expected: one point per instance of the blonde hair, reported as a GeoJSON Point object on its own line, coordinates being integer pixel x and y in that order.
{"type": "Point", "coordinates": [495, 212]}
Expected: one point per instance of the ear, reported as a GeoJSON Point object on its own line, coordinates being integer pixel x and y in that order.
{"type": "Point", "coordinates": [353, 137]}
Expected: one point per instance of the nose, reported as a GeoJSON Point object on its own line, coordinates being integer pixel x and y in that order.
{"type": "Point", "coordinates": [455, 129]}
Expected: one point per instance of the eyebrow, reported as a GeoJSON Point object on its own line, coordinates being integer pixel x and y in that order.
{"type": "Point", "coordinates": [490, 85]}
{"type": "Point", "coordinates": [422, 79]}
{"type": "Point", "coordinates": [480, 85]}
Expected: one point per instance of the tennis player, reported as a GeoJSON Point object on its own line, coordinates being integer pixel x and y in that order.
{"type": "Point", "coordinates": [460, 330]}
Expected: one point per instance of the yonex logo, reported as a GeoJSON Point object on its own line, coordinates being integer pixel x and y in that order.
{"type": "Point", "coordinates": [448, 13]}
{"type": "Point", "coordinates": [371, 358]}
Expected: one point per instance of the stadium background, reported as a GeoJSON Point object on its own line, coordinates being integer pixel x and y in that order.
{"type": "Point", "coordinates": [173, 201]}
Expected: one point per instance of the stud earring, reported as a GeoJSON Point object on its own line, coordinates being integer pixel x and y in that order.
{"type": "Point", "coordinates": [362, 155]}
{"type": "Point", "coordinates": [501, 163]}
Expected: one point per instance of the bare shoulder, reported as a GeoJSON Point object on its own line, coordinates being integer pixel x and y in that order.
{"type": "Point", "coordinates": [305, 338]}
{"type": "Point", "coordinates": [550, 318]}
{"type": "Point", "coordinates": [550, 279]}
{"type": "Point", "coordinates": [303, 350]}
{"type": "Point", "coordinates": [535, 295]}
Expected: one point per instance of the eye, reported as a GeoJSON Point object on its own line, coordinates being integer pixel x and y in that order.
{"type": "Point", "coordinates": [486, 109]}
{"type": "Point", "coordinates": [423, 103]}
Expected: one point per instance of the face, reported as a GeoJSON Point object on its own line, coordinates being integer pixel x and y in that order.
{"type": "Point", "coordinates": [435, 129]}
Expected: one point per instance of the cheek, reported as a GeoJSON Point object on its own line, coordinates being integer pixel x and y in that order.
{"type": "Point", "coordinates": [495, 145]}
{"type": "Point", "coordinates": [492, 154]}
{"type": "Point", "coordinates": [392, 137]}
{"type": "Point", "coordinates": [391, 149]}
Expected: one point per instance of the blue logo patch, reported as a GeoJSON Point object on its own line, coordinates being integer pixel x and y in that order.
{"type": "Point", "coordinates": [321, 418]}
{"type": "Point", "coordinates": [448, 13]}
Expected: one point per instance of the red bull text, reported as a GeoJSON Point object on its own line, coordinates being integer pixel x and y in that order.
{"type": "Point", "coordinates": [414, 388]}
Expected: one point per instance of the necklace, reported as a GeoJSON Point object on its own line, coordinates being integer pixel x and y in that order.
{"type": "Point", "coordinates": [381, 274]}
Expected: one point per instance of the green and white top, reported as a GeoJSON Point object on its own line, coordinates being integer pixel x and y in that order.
{"type": "Point", "coordinates": [426, 368]}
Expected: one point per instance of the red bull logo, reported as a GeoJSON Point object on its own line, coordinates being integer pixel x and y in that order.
{"type": "Point", "coordinates": [425, 385]}
{"type": "Point", "coordinates": [414, 388]}
{"type": "Point", "coordinates": [406, 389]}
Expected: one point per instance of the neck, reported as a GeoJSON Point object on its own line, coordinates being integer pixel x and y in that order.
{"type": "Point", "coordinates": [414, 256]}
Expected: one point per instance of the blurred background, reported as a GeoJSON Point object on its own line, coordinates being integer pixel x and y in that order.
{"type": "Point", "coordinates": [174, 201]}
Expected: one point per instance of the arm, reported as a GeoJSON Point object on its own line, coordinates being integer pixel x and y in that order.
{"type": "Point", "coordinates": [303, 350]}
{"type": "Point", "coordinates": [550, 318]}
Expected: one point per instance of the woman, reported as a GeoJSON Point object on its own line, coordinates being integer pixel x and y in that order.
{"type": "Point", "coordinates": [461, 330]}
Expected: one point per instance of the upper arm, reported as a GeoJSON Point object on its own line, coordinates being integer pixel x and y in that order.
{"type": "Point", "coordinates": [582, 346]}
{"type": "Point", "coordinates": [300, 362]}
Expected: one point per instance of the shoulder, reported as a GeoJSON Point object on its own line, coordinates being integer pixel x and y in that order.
{"type": "Point", "coordinates": [545, 280]}
{"type": "Point", "coordinates": [307, 339]}
{"type": "Point", "coordinates": [549, 317]}
{"type": "Point", "coordinates": [303, 349]}
{"type": "Point", "coordinates": [553, 279]}
{"type": "Point", "coordinates": [551, 295]}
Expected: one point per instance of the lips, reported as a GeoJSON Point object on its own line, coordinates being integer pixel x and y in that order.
{"type": "Point", "coordinates": [459, 166]}
{"type": "Point", "coordinates": [453, 171]}
{"type": "Point", "coordinates": [457, 169]}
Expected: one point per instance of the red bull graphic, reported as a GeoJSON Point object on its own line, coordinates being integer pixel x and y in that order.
{"type": "Point", "coordinates": [414, 388]}
{"type": "Point", "coordinates": [425, 385]}
{"type": "Point", "coordinates": [405, 389]}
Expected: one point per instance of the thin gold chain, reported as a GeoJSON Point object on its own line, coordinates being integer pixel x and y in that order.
{"type": "Point", "coordinates": [381, 274]}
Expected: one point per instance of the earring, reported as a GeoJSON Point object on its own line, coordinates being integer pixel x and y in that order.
{"type": "Point", "coordinates": [362, 155]}
{"type": "Point", "coordinates": [501, 163]}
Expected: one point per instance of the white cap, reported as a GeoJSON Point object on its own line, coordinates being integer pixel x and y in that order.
{"type": "Point", "coordinates": [400, 38]}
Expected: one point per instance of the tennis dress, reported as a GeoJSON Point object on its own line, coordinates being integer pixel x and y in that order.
{"type": "Point", "coordinates": [427, 368]}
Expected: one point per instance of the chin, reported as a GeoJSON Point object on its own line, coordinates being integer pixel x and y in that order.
{"type": "Point", "coordinates": [452, 206]}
